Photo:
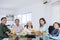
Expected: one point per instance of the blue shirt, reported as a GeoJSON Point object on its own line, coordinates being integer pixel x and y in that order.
{"type": "Point", "coordinates": [43, 28]}
{"type": "Point", "coordinates": [55, 37]}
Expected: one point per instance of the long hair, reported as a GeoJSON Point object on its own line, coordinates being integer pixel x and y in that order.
{"type": "Point", "coordinates": [43, 20]}
{"type": "Point", "coordinates": [27, 26]}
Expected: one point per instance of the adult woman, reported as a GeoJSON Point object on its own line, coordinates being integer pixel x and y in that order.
{"type": "Point", "coordinates": [28, 30]}
{"type": "Point", "coordinates": [55, 34]}
{"type": "Point", "coordinates": [42, 29]}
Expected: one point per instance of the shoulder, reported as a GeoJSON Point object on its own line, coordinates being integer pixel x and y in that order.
{"type": "Point", "coordinates": [13, 25]}
{"type": "Point", "coordinates": [46, 24]}
{"type": "Point", "coordinates": [25, 29]}
{"type": "Point", "coordinates": [0, 25]}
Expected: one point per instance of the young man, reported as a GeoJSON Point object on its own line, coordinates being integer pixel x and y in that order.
{"type": "Point", "coordinates": [4, 31]}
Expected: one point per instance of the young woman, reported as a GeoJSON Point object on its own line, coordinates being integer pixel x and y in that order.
{"type": "Point", "coordinates": [55, 34]}
{"type": "Point", "coordinates": [42, 29]}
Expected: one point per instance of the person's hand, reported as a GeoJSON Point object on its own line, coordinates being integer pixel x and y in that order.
{"type": "Point", "coordinates": [44, 32]}
{"type": "Point", "coordinates": [7, 32]}
{"type": "Point", "coordinates": [38, 33]}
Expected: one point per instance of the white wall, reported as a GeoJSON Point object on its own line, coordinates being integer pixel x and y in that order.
{"type": "Point", "coordinates": [50, 12]}
{"type": "Point", "coordinates": [55, 15]}
{"type": "Point", "coordinates": [37, 11]}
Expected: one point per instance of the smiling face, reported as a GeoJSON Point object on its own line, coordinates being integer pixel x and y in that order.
{"type": "Point", "coordinates": [17, 22]}
{"type": "Point", "coordinates": [3, 21]}
{"type": "Point", "coordinates": [56, 25]}
{"type": "Point", "coordinates": [41, 22]}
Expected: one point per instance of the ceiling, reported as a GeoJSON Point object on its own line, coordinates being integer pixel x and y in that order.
{"type": "Point", "coordinates": [20, 3]}
{"type": "Point", "coordinates": [11, 6]}
{"type": "Point", "coordinates": [17, 3]}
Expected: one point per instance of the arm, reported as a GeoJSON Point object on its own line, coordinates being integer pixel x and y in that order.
{"type": "Point", "coordinates": [45, 30]}
{"type": "Point", "coordinates": [1, 33]}
{"type": "Point", "coordinates": [55, 37]}
{"type": "Point", "coordinates": [6, 30]}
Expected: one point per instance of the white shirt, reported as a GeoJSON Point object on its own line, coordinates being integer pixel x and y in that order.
{"type": "Point", "coordinates": [17, 28]}
{"type": "Point", "coordinates": [27, 31]}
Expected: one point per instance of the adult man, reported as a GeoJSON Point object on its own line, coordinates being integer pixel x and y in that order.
{"type": "Point", "coordinates": [4, 31]}
{"type": "Point", "coordinates": [17, 27]}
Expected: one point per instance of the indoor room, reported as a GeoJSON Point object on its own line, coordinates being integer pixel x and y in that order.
{"type": "Point", "coordinates": [29, 19]}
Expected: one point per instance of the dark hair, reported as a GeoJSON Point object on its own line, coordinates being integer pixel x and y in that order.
{"type": "Point", "coordinates": [3, 18]}
{"type": "Point", "coordinates": [43, 20]}
{"type": "Point", "coordinates": [27, 26]}
{"type": "Point", "coordinates": [56, 23]}
{"type": "Point", "coordinates": [50, 29]}
{"type": "Point", "coordinates": [16, 19]}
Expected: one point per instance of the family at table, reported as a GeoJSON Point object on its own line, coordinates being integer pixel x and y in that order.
{"type": "Point", "coordinates": [45, 32]}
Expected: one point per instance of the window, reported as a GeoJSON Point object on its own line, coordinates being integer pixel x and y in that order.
{"type": "Point", "coordinates": [24, 18]}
